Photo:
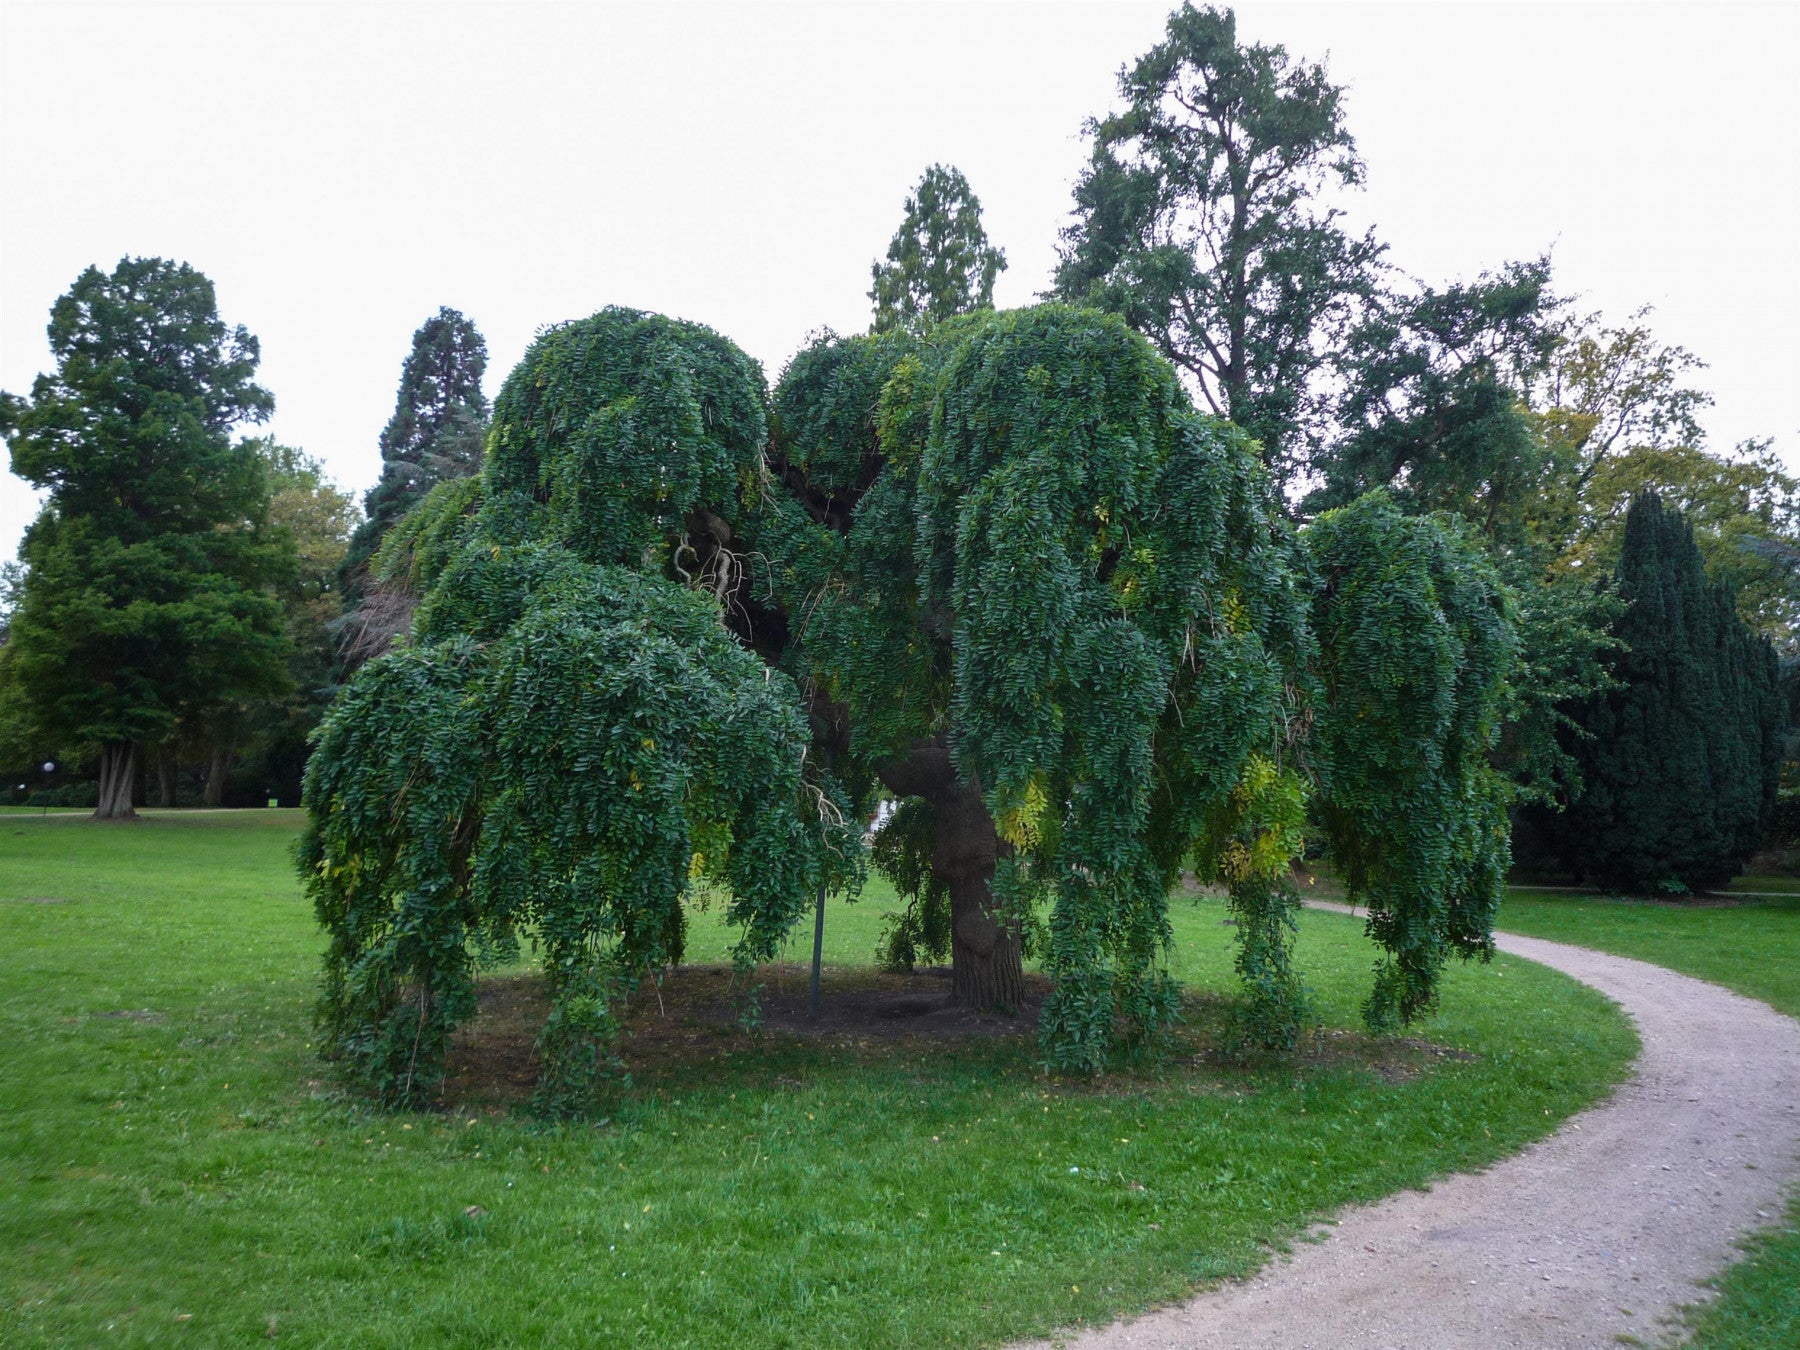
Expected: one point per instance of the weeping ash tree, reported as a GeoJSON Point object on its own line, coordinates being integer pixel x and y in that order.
{"type": "Point", "coordinates": [999, 569]}
{"type": "Point", "coordinates": [1416, 635]}
{"type": "Point", "coordinates": [572, 739]}
{"type": "Point", "coordinates": [1057, 613]}
{"type": "Point", "coordinates": [1053, 612]}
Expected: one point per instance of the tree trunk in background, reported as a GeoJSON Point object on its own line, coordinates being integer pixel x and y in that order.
{"type": "Point", "coordinates": [986, 958]}
{"type": "Point", "coordinates": [217, 766]}
{"type": "Point", "coordinates": [118, 779]}
{"type": "Point", "coordinates": [168, 770]}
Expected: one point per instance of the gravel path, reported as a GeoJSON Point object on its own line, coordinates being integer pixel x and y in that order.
{"type": "Point", "coordinates": [1585, 1238]}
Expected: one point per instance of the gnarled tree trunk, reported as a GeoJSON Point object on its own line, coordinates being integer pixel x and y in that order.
{"type": "Point", "coordinates": [986, 957]}
{"type": "Point", "coordinates": [118, 781]}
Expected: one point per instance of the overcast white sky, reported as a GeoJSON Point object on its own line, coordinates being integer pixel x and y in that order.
{"type": "Point", "coordinates": [341, 171]}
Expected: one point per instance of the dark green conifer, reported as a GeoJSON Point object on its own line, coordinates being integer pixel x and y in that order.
{"type": "Point", "coordinates": [1680, 762]}
{"type": "Point", "coordinates": [436, 432]}
{"type": "Point", "coordinates": [940, 262]}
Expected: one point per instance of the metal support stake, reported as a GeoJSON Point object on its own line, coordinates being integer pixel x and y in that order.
{"type": "Point", "coordinates": [812, 1001]}
{"type": "Point", "coordinates": [818, 953]}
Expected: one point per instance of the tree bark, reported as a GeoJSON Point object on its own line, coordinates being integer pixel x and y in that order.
{"type": "Point", "coordinates": [118, 780]}
{"type": "Point", "coordinates": [986, 956]}
{"type": "Point", "coordinates": [218, 764]}
{"type": "Point", "coordinates": [168, 770]}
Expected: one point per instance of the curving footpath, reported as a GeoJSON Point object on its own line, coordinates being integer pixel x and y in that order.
{"type": "Point", "coordinates": [1587, 1238]}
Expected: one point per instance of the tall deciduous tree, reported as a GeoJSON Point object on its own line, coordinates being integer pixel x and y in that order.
{"type": "Point", "coordinates": [1681, 759]}
{"type": "Point", "coordinates": [1201, 217]}
{"type": "Point", "coordinates": [1744, 510]}
{"type": "Point", "coordinates": [151, 573]}
{"type": "Point", "coordinates": [940, 261]}
{"type": "Point", "coordinates": [436, 432]}
{"type": "Point", "coordinates": [266, 738]}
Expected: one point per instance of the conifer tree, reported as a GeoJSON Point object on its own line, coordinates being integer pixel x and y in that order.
{"type": "Point", "coordinates": [149, 591]}
{"type": "Point", "coordinates": [1203, 218]}
{"type": "Point", "coordinates": [440, 418]}
{"type": "Point", "coordinates": [1681, 761]}
{"type": "Point", "coordinates": [940, 261]}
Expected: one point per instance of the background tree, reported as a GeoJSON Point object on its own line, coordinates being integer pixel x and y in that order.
{"type": "Point", "coordinates": [940, 262]}
{"type": "Point", "coordinates": [1743, 509]}
{"type": "Point", "coordinates": [1681, 760]}
{"type": "Point", "coordinates": [149, 589]}
{"type": "Point", "coordinates": [1611, 389]}
{"type": "Point", "coordinates": [436, 432]}
{"type": "Point", "coordinates": [261, 745]}
{"type": "Point", "coordinates": [1433, 402]}
{"type": "Point", "coordinates": [20, 746]}
{"type": "Point", "coordinates": [1202, 218]}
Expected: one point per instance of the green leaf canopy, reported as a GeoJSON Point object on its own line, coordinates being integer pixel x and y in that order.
{"type": "Point", "coordinates": [569, 743]}
{"type": "Point", "coordinates": [150, 591]}
{"type": "Point", "coordinates": [1014, 537]}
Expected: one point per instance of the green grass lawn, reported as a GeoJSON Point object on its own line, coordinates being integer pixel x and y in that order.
{"type": "Point", "coordinates": [1753, 948]}
{"type": "Point", "coordinates": [177, 1166]}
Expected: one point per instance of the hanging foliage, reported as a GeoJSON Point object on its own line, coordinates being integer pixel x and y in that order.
{"type": "Point", "coordinates": [568, 744]}
{"type": "Point", "coordinates": [1059, 607]}
{"type": "Point", "coordinates": [1416, 640]}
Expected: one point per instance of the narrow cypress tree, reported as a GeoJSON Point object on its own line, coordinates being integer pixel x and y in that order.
{"type": "Point", "coordinates": [1680, 762]}
{"type": "Point", "coordinates": [440, 418]}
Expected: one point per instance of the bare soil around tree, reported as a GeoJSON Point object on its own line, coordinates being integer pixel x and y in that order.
{"type": "Point", "coordinates": [693, 1018]}
{"type": "Point", "coordinates": [1593, 1237]}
